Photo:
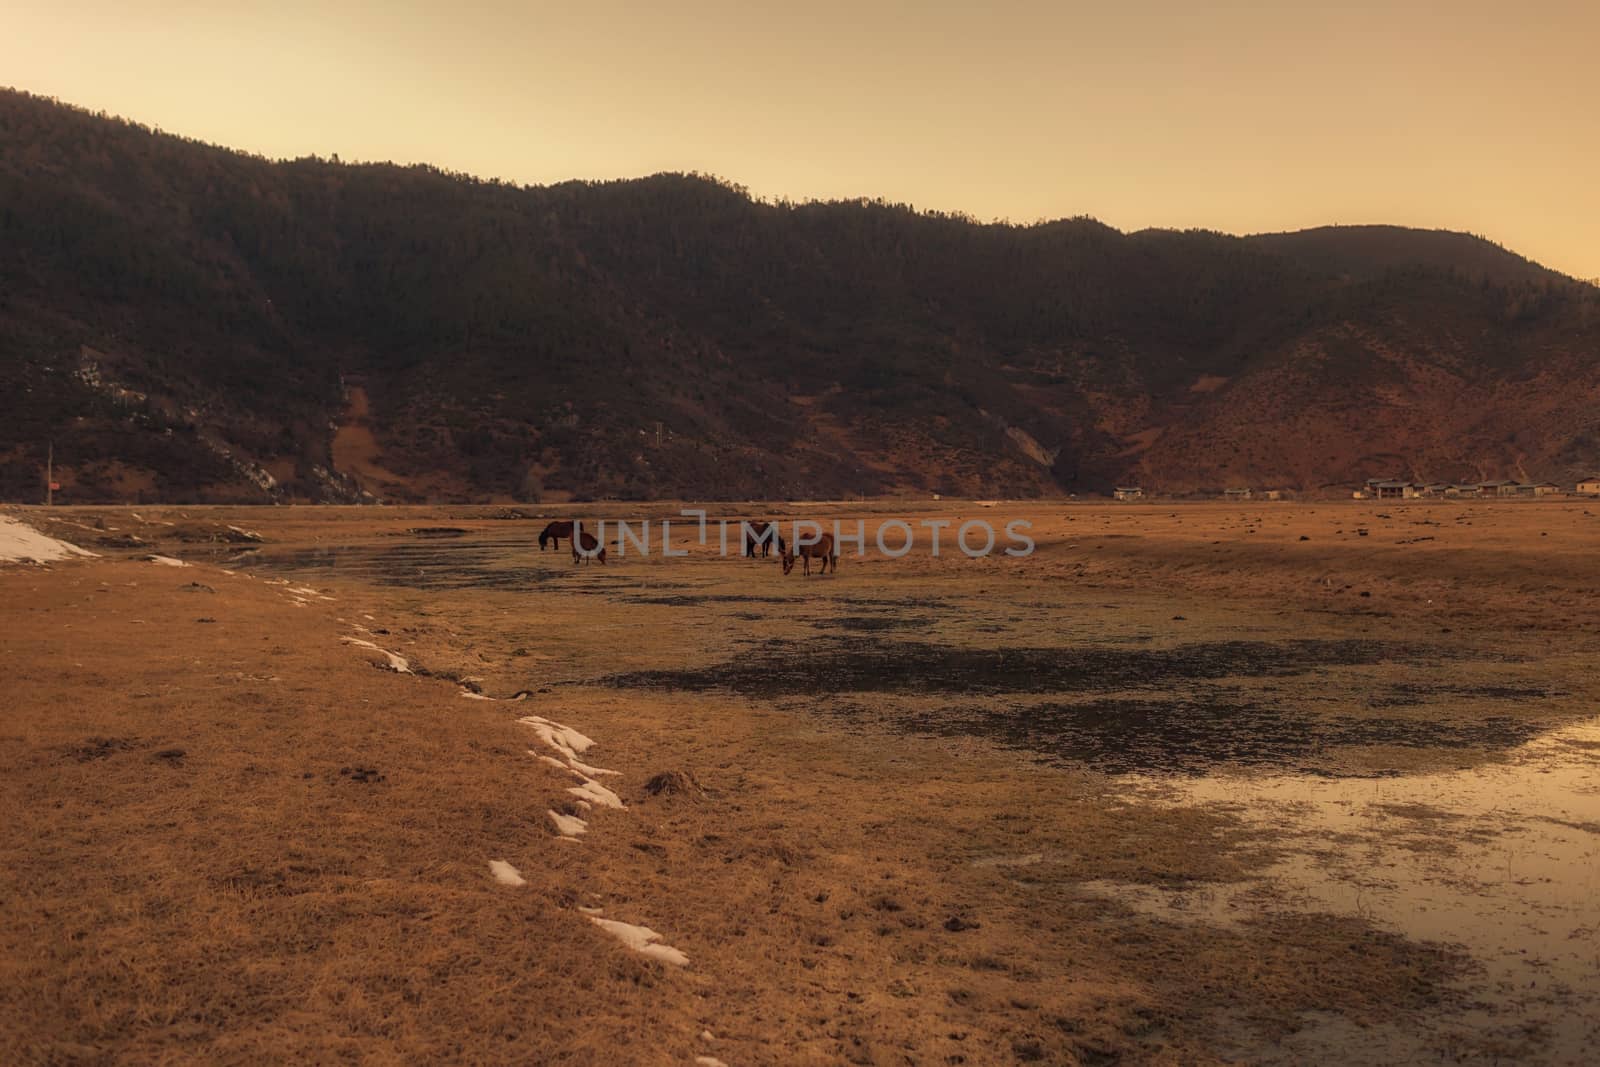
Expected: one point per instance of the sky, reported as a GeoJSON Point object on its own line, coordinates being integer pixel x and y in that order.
{"type": "Point", "coordinates": [1232, 116]}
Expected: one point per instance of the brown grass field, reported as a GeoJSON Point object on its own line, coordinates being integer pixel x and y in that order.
{"type": "Point", "coordinates": [1057, 809]}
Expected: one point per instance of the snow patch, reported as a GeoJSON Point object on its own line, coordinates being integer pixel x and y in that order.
{"type": "Point", "coordinates": [506, 874]}
{"type": "Point", "coordinates": [1027, 859]}
{"type": "Point", "coordinates": [568, 825]}
{"type": "Point", "coordinates": [596, 793]}
{"type": "Point", "coordinates": [642, 940]}
{"type": "Point", "coordinates": [588, 771]}
{"type": "Point", "coordinates": [568, 742]}
{"type": "Point", "coordinates": [168, 561]}
{"type": "Point", "coordinates": [569, 738]}
{"type": "Point", "coordinates": [397, 663]}
{"type": "Point", "coordinates": [20, 543]}
{"type": "Point", "coordinates": [470, 695]}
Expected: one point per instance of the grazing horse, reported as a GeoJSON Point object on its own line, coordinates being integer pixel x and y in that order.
{"type": "Point", "coordinates": [583, 537]}
{"type": "Point", "coordinates": [759, 537]}
{"type": "Point", "coordinates": [822, 549]}
{"type": "Point", "coordinates": [554, 533]}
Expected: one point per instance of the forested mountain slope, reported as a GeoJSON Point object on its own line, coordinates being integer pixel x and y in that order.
{"type": "Point", "coordinates": [187, 322]}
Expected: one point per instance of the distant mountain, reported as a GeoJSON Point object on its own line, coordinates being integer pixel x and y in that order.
{"type": "Point", "coordinates": [186, 322]}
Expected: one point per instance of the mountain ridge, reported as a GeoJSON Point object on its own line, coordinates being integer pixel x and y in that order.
{"type": "Point", "coordinates": [189, 322]}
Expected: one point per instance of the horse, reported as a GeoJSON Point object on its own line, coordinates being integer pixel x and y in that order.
{"type": "Point", "coordinates": [555, 532]}
{"type": "Point", "coordinates": [762, 536]}
{"type": "Point", "coordinates": [822, 549]}
{"type": "Point", "coordinates": [583, 537]}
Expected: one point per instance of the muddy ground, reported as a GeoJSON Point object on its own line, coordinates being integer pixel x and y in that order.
{"type": "Point", "coordinates": [1190, 783]}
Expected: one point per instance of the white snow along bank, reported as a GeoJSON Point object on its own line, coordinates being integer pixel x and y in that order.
{"type": "Point", "coordinates": [21, 543]}
{"type": "Point", "coordinates": [642, 940]}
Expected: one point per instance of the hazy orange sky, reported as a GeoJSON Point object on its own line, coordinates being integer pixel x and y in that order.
{"type": "Point", "coordinates": [1241, 117]}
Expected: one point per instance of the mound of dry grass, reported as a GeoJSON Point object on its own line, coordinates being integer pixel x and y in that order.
{"type": "Point", "coordinates": [238, 841]}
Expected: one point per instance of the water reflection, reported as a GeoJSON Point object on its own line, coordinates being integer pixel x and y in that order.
{"type": "Point", "coordinates": [435, 563]}
{"type": "Point", "coordinates": [1503, 859]}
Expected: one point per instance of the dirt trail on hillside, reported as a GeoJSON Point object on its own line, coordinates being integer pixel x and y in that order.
{"type": "Point", "coordinates": [355, 448]}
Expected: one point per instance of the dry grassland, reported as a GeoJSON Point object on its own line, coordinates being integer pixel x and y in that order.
{"type": "Point", "coordinates": [235, 837]}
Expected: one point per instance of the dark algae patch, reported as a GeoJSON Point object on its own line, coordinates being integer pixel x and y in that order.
{"type": "Point", "coordinates": [873, 623]}
{"type": "Point", "coordinates": [1404, 695]}
{"type": "Point", "coordinates": [431, 565]}
{"type": "Point", "coordinates": [689, 600]}
{"type": "Point", "coordinates": [1125, 709]}
{"type": "Point", "coordinates": [1193, 735]}
{"type": "Point", "coordinates": [856, 666]}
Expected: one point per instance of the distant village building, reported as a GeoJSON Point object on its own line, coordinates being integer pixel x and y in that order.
{"type": "Point", "coordinates": [1400, 489]}
{"type": "Point", "coordinates": [1272, 494]}
{"type": "Point", "coordinates": [1590, 486]}
{"type": "Point", "coordinates": [1383, 489]}
{"type": "Point", "coordinates": [1128, 492]}
{"type": "Point", "coordinates": [1236, 494]}
{"type": "Point", "coordinates": [1390, 490]}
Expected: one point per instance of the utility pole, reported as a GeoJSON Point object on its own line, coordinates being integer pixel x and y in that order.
{"type": "Point", "coordinates": [50, 475]}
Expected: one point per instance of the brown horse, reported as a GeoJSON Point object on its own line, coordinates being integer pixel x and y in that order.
{"type": "Point", "coordinates": [554, 533]}
{"type": "Point", "coordinates": [822, 549]}
{"type": "Point", "coordinates": [583, 537]}
{"type": "Point", "coordinates": [759, 537]}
